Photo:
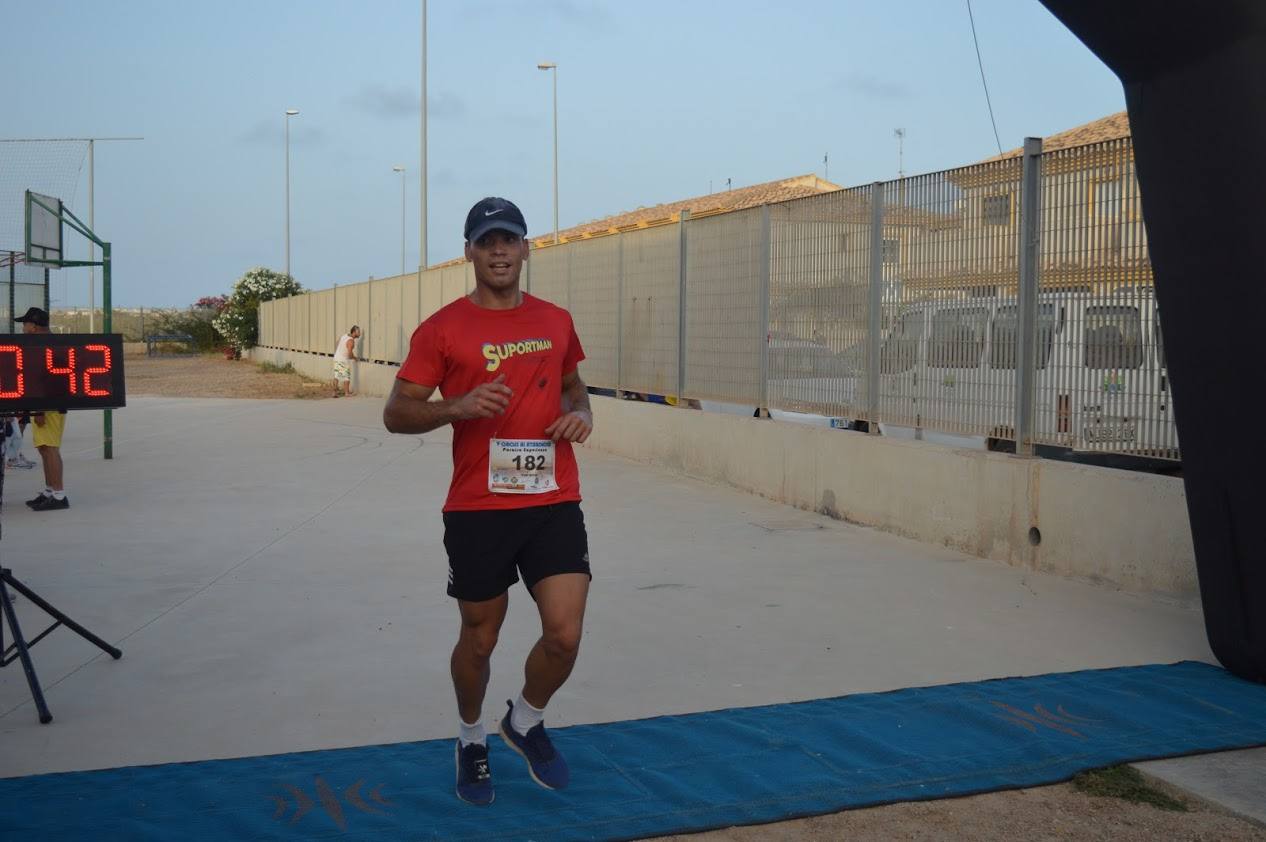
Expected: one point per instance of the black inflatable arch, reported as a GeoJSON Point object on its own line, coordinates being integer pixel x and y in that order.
{"type": "Point", "coordinates": [1195, 86]}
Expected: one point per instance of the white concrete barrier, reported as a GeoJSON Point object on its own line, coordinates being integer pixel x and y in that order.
{"type": "Point", "coordinates": [1120, 527]}
{"type": "Point", "coordinates": [1126, 528]}
{"type": "Point", "coordinates": [367, 378]}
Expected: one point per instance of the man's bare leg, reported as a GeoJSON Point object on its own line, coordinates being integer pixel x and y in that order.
{"type": "Point", "coordinates": [560, 600]}
{"type": "Point", "coordinates": [52, 459]}
{"type": "Point", "coordinates": [481, 624]}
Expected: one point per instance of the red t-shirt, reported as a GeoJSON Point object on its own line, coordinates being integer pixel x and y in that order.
{"type": "Point", "coordinates": [533, 345]}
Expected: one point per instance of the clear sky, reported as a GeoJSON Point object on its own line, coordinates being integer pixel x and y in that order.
{"type": "Point", "coordinates": [658, 100]}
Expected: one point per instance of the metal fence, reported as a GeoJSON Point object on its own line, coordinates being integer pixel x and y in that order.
{"type": "Point", "coordinates": [1010, 300]}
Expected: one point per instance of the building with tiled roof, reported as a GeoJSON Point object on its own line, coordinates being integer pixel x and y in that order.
{"type": "Point", "coordinates": [713, 203]}
{"type": "Point", "coordinates": [1089, 195]}
{"type": "Point", "coordinates": [1112, 127]}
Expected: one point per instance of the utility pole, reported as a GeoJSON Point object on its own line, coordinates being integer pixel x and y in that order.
{"type": "Point", "coordinates": [422, 193]}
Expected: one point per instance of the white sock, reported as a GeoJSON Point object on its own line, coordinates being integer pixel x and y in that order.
{"type": "Point", "coordinates": [524, 717]}
{"type": "Point", "coordinates": [59, 495]}
{"type": "Point", "coordinates": [48, 491]}
{"type": "Point", "coordinates": [472, 734]}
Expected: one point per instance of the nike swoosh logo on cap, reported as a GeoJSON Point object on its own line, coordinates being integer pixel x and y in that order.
{"type": "Point", "coordinates": [490, 213]}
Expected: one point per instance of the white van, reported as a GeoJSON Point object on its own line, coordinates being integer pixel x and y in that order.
{"type": "Point", "coordinates": [1101, 384]}
{"type": "Point", "coordinates": [947, 374]}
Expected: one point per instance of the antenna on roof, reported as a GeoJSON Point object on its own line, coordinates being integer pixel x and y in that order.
{"type": "Point", "coordinates": [826, 167]}
{"type": "Point", "coordinates": [727, 183]}
{"type": "Point", "coordinates": [900, 135]}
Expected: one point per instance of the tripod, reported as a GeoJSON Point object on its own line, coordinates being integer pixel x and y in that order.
{"type": "Point", "coordinates": [20, 647]}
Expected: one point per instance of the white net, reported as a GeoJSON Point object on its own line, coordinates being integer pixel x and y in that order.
{"type": "Point", "coordinates": [51, 167]}
{"type": "Point", "coordinates": [54, 168]}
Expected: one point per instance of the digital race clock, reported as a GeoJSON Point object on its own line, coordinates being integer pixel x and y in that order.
{"type": "Point", "coordinates": [52, 371]}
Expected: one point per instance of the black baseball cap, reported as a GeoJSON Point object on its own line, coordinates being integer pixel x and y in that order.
{"type": "Point", "coordinates": [494, 214]}
{"type": "Point", "coordinates": [35, 316]}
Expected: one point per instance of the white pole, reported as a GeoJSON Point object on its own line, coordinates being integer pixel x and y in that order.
{"type": "Point", "coordinates": [287, 194]}
{"type": "Point", "coordinates": [422, 193]}
{"type": "Point", "coordinates": [556, 155]}
{"type": "Point", "coordinates": [92, 249]}
{"type": "Point", "coordinates": [401, 170]}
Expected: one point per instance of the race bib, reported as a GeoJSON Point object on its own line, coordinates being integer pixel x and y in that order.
{"type": "Point", "coordinates": [521, 466]}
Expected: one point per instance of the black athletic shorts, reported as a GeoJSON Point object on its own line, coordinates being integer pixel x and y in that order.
{"type": "Point", "coordinates": [487, 550]}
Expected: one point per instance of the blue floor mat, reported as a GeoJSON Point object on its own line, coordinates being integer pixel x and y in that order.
{"type": "Point", "coordinates": [672, 774]}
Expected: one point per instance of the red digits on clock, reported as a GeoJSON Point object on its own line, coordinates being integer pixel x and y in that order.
{"type": "Point", "coordinates": [17, 357]}
{"type": "Point", "coordinates": [69, 370]}
{"type": "Point", "coordinates": [102, 369]}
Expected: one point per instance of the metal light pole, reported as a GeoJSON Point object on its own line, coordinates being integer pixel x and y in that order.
{"type": "Point", "coordinates": [400, 169]}
{"type": "Point", "coordinates": [422, 193]}
{"type": "Point", "coordinates": [92, 256]}
{"type": "Point", "coordinates": [549, 65]}
{"type": "Point", "coordinates": [290, 112]}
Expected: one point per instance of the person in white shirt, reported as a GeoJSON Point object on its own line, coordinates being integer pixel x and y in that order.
{"type": "Point", "coordinates": [344, 353]}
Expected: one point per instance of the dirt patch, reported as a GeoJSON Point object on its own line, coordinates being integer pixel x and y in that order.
{"type": "Point", "coordinates": [206, 376]}
{"type": "Point", "coordinates": [1051, 812]}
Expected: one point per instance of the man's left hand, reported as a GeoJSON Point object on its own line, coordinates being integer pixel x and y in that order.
{"type": "Point", "coordinates": [574, 427]}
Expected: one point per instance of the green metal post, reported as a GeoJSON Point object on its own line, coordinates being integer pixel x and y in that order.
{"type": "Point", "coordinates": [107, 327]}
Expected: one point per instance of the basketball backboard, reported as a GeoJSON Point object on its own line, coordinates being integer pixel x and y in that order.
{"type": "Point", "coordinates": [43, 230]}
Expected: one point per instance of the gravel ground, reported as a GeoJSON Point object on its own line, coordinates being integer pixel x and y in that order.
{"type": "Point", "coordinates": [214, 377]}
{"type": "Point", "coordinates": [1047, 813]}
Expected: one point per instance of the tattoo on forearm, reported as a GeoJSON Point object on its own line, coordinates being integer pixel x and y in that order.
{"type": "Point", "coordinates": [416, 416]}
{"type": "Point", "coordinates": [576, 398]}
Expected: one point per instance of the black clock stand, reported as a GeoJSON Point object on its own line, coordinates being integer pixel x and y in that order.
{"type": "Point", "coordinates": [19, 649]}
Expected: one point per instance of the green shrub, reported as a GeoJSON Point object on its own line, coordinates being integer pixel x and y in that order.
{"type": "Point", "coordinates": [1127, 783]}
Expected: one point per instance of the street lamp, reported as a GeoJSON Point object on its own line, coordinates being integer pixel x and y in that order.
{"type": "Point", "coordinates": [549, 65]}
{"type": "Point", "coordinates": [422, 170]}
{"type": "Point", "coordinates": [400, 169]}
{"type": "Point", "coordinates": [290, 112]}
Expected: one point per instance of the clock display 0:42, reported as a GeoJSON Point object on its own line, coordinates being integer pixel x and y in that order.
{"type": "Point", "coordinates": [60, 371]}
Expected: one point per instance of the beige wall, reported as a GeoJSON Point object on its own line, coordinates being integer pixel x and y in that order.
{"type": "Point", "coordinates": [367, 378]}
{"type": "Point", "coordinates": [1119, 527]}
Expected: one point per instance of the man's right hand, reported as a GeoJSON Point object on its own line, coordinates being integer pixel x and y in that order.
{"type": "Point", "coordinates": [485, 400]}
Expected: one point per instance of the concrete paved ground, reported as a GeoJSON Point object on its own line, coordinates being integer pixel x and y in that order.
{"type": "Point", "coordinates": [1235, 780]}
{"type": "Point", "coordinates": [274, 573]}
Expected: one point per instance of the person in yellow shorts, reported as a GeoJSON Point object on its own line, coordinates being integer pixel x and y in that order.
{"type": "Point", "coordinates": [48, 433]}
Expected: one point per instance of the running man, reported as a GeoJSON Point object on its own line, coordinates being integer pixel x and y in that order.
{"type": "Point", "coordinates": [505, 363]}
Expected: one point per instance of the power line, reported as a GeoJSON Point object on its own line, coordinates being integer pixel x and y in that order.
{"type": "Point", "coordinates": [983, 83]}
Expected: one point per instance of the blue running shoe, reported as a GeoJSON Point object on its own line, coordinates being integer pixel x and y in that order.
{"type": "Point", "coordinates": [546, 766]}
{"type": "Point", "coordinates": [474, 777]}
